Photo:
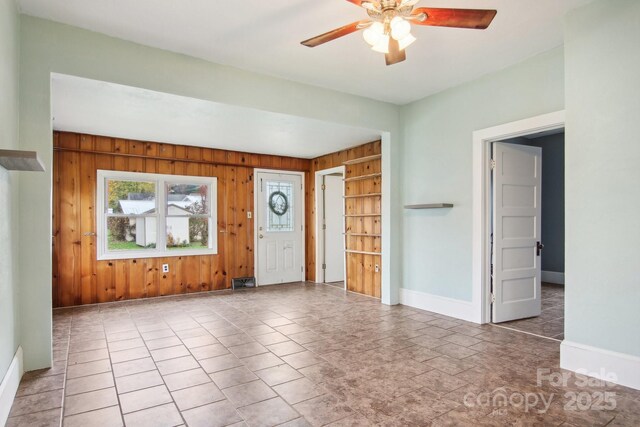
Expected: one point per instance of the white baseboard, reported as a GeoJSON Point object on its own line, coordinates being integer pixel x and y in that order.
{"type": "Point", "coordinates": [9, 385]}
{"type": "Point", "coordinates": [459, 309]}
{"type": "Point", "coordinates": [619, 368]}
{"type": "Point", "coordinates": [553, 277]}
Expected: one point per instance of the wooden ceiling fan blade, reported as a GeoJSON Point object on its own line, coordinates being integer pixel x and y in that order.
{"type": "Point", "coordinates": [395, 55]}
{"type": "Point", "coordinates": [478, 19]}
{"type": "Point", "coordinates": [335, 34]}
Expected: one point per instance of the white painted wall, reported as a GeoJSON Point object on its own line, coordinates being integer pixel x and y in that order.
{"type": "Point", "coordinates": [50, 47]}
{"type": "Point", "coordinates": [437, 166]}
{"type": "Point", "coordinates": [603, 177]}
{"type": "Point", "coordinates": [9, 186]}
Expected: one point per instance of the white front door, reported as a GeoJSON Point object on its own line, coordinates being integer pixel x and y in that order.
{"type": "Point", "coordinates": [516, 231]}
{"type": "Point", "coordinates": [279, 228]}
{"type": "Point", "coordinates": [333, 228]}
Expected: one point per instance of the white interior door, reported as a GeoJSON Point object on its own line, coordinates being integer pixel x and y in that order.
{"type": "Point", "coordinates": [279, 228]}
{"type": "Point", "coordinates": [516, 231]}
{"type": "Point", "coordinates": [333, 228]}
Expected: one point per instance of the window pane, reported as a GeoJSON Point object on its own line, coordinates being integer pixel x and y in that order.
{"type": "Point", "coordinates": [187, 233]}
{"type": "Point", "coordinates": [187, 199]}
{"type": "Point", "coordinates": [279, 206]}
{"type": "Point", "coordinates": [131, 233]}
{"type": "Point", "coordinates": [131, 197]}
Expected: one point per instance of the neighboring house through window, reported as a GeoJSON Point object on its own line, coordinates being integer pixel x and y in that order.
{"type": "Point", "coordinates": [143, 215]}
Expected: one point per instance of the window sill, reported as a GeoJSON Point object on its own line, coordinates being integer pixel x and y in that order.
{"type": "Point", "coordinates": [155, 254]}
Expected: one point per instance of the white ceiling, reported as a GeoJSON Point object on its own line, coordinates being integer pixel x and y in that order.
{"type": "Point", "coordinates": [264, 36]}
{"type": "Point", "coordinates": [100, 108]}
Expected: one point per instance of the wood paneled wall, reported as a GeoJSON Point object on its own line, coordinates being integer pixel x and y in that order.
{"type": "Point", "coordinates": [361, 274]}
{"type": "Point", "coordinates": [79, 279]}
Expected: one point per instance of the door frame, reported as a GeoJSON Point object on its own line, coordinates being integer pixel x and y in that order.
{"type": "Point", "coordinates": [481, 218]}
{"type": "Point", "coordinates": [256, 192]}
{"type": "Point", "coordinates": [319, 205]}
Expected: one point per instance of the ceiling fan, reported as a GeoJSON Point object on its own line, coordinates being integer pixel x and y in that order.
{"type": "Point", "coordinates": [388, 30]}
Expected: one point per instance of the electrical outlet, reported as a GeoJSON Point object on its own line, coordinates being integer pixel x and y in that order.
{"type": "Point", "coordinates": [377, 268]}
{"type": "Point", "coordinates": [165, 268]}
{"type": "Point", "coordinates": [248, 214]}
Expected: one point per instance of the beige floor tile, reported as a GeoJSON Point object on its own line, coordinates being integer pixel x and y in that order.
{"type": "Point", "coordinates": [143, 399]}
{"type": "Point", "coordinates": [186, 379]}
{"type": "Point", "coordinates": [299, 390]}
{"type": "Point", "coordinates": [40, 384]}
{"type": "Point", "coordinates": [90, 401]}
{"type": "Point", "coordinates": [323, 410]}
{"type": "Point", "coordinates": [302, 360]}
{"type": "Point", "coordinates": [89, 368]}
{"type": "Point", "coordinates": [171, 366]}
{"type": "Point", "coordinates": [139, 381]}
{"type": "Point", "coordinates": [133, 367]}
{"type": "Point", "coordinates": [233, 377]}
{"type": "Point", "coordinates": [285, 348]}
{"type": "Point", "coordinates": [278, 374]}
{"type": "Point", "coordinates": [169, 353]}
{"type": "Point", "coordinates": [208, 351]}
{"type": "Point", "coordinates": [197, 396]}
{"type": "Point", "coordinates": [158, 416]}
{"type": "Point", "coordinates": [268, 413]}
{"type": "Point", "coordinates": [89, 383]}
{"type": "Point", "coordinates": [106, 417]}
{"type": "Point", "coordinates": [36, 403]}
{"type": "Point", "coordinates": [131, 354]}
{"type": "Point", "coordinates": [216, 414]}
{"type": "Point", "coordinates": [49, 418]}
{"type": "Point", "coordinates": [246, 394]}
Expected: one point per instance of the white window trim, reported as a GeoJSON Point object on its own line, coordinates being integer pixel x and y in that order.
{"type": "Point", "coordinates": [104, 254]}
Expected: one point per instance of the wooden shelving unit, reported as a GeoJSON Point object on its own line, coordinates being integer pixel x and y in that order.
{"type": "Point", "coordinates": [361, 177]}
{"type": "Point", "coordinates": [358, 196]}
{"type": "Point", "coordinates": [363, 232]}
{"type": "Point", "coordinates": [363, 159]}
{"type": "Point", "coordinates": [361, 215]}
{"type": "Point", "coordinates": [349, 251]}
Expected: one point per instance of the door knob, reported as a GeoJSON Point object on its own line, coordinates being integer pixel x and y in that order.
{"type": "Point", "coordinates": [539, 247]}
{"type": "Point", "coordinates": [260, 236]}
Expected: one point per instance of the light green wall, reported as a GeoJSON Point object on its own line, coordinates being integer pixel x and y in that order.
{"type": "Point", "coordinates": [603, 175]}
{"type": "Point", "coordinates": [437, 165]}
{"type": "Point", "coordinates": [9, 70]}
{"type": "Point", "coordinates": [50, 47]}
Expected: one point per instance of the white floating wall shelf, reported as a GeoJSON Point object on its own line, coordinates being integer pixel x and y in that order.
{"type": "Point", "coordinates": [430, 206]}
{"type": "Point", "coordinates": [14, 160]}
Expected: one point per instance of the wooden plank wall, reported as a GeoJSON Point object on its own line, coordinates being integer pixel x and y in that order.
{"type": "Point", "coordinates": [361, 275]}
{"type": "Point", "coordinates": [79, 279]}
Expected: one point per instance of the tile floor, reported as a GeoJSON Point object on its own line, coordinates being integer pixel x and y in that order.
{"type": "Point", "coordinates": [550, 323]}
{"type": "Point", "coordinates": [299, 355]}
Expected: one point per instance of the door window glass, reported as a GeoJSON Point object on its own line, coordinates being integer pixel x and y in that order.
{"type": "Point", "coordinates": [279, 201]}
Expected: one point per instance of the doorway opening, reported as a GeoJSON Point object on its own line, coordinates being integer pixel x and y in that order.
{"type": "Point", "coordinates": [330, 229]}
{"type": "Point", "coordinates": [528, 264]}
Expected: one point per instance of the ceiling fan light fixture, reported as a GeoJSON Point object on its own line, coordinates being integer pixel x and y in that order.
{"type": "Point", "coordinates": [400, 28]}
{"type": "Point", "coordinates": [373, 34]}
{"type": "Point", "coordinates": [383, 45]}
{"type": "Point", "coordinates": [406, 41]}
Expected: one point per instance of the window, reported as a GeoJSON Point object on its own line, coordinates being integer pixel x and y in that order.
{"type": "Point", "coordinates": [148, 215]}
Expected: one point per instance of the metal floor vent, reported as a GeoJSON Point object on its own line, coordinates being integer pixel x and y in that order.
{"type": "Point", "coordinates": [243, 282]}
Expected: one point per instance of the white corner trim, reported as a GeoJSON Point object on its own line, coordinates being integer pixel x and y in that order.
{"type": "Point", "coordinates": [9, 385]}
{"type": "Point", "coordinates": [556, 277]}
{"type": "Point", "coordinates": [619, 368]}
{"type": "Point", "coordinates": [464, 310]}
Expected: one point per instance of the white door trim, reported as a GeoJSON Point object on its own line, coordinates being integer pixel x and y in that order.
{"type": "Point", "coordinates": [256, 191]}
{"type": "Point", "coordinates": [319, 204]}
{"type": "Point", "coordinates": [482, 140]}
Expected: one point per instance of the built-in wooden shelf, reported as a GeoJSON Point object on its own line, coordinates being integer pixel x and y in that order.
{"type": "Point", "coordinates": [349, 251]}
{"type": "Point", "coordinates": [361, 215]}
{"type": "Point", "coordinates": [362, 159]}
{"type": "Point", "coordinates": [356, 196]}
{"type": "Point", "coordinates": [14, 160]}
{"type": "Point", "coordinates": [430, 206]}
{"type": "Point", "coordinates": [361, 177]}
{"type": "Point", "coordinates": [362, 235]}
